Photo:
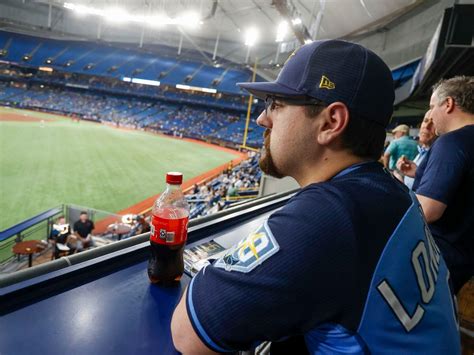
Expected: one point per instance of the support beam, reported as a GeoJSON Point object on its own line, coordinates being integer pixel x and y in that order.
{"type": "Point", "coordinates": [180, 43]}
{"type": "Point", "coordinates": [50, 10]}
{"type": "Point", "coordinates": [277, 55]}
{"type": "Point", "coordinates": [288, 11]}
{"type": "Point", "coordinates": [248, 55]}
{"type": "Point", "coordinates": [99, 29]}
{"type": "Point", "coordinates": [142, 35]}
{"type": "Point", "coordinates": [319, 18]}
{"type": "Point", "coordinates": [215, 46]}
{"type": "Point", "coordinates": [184, 34]}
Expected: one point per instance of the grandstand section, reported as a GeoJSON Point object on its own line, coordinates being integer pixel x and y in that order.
{"type": "Point", "coordinates": [117, 61]}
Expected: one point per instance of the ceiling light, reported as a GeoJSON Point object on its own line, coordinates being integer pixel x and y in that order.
{"type": "Point", "coordinates": [296, 21]}
{"type": "Point", "coordinates": [138, 18]}
{"type": "Point", "coordinates": [189, 19]}
{"type": "Point", "coordinates": [251, 36]}
{"type": "Point", "coordinates": [116, 14]}
{"type": "Point", "coordinates": [68, 5]}
{"type": "Point", "coordinates": [157, 20]}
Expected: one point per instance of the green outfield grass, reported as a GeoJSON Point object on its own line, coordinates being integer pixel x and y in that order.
{"type": "Point", "coordinates": [87, 164]}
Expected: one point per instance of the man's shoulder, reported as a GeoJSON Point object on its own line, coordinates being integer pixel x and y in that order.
{"type": "Point", "coordinates": [337, 196]}
{"type": "Point", "coordinates": [456, 143]}
{"type": "Point", "coordinates": [458, 137]}
{"type": "Point", "coordinates": [309, 204]}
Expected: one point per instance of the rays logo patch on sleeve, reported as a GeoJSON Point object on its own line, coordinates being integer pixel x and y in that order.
{"type": "Point", "coordinates": [250, 252]}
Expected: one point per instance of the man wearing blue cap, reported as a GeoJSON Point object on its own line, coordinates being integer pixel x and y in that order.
{"type": "Point", "coordinates": [349, 263]}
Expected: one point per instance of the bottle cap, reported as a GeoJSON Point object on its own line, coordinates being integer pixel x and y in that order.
{"type": "Point", "coordinates": [174, 178]}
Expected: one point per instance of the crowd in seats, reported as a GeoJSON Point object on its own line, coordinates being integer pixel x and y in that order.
{"type": "Point", "coordinates": [235, 184]}
{"type": "Point", "coordinates": [112, 85]}
{"type": "Point", "coordinates": [140, 113]}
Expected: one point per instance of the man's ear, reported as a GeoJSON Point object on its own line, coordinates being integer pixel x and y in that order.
{"type": "Point", "coordinates": [334, 120]}
{"type": "Point", "coordinates": [450, 103]}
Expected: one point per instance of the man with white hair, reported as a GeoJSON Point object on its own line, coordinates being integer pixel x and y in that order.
{"type": "Point", "coordinates": [444, 181]}
{"type": "Point", "coordinates": [426, 138]}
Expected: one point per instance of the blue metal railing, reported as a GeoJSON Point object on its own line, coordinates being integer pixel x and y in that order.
{"type": "Point", "coordinates": [37, 225]}
{"type": "Point", "coordinates": [26, 224]}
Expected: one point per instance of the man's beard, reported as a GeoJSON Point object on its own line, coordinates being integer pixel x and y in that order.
{"type": "Point", "coordinates": [266, 161]}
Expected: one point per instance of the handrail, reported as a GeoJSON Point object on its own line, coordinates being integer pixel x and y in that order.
{"type": "Point", "coordinates": [18, 228]}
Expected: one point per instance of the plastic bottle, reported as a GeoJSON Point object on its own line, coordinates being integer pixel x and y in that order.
{"type": "Point", "coordinates": [169, 230]}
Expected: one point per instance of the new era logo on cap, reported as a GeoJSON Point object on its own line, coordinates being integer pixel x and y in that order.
{"type": "Point", "coordinates": [335, 71]}
{"type": "Point", "coordinates": [325, 83]}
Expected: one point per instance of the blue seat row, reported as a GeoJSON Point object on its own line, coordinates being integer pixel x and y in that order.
{"type": "Point", "coordinates": [117, 62]}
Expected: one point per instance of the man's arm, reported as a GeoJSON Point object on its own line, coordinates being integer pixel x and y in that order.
{"type": "Point", "coordinates": [432, 209]}
{"type": "Point", "coordinates": [78, 236]}
{"type": "Point", "coordinates": [185, 338]}
{"type": "Point", "coordinates": [443, 175]}
{"type": "Point", "coordinates": [389, 151]}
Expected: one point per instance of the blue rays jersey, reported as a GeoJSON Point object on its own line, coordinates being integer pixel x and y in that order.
{"type": "Point", "coordinates": [347, 263]}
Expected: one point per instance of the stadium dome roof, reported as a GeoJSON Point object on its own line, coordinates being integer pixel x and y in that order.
{"type": "Point", "coordinates": [209, 29]}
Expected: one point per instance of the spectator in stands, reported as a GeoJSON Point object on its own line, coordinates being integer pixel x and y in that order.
{"type": "Point", "coordinates": [232, 191]}
{"type": "Point", "coordinates": [83, 229]}
{"type": "Point", "coordinates": [60, 234]}
{"type": "Point", "coordinates": [204, 189]}
{"type": "Point", "coordinates": [402, 144]}
{"type": "Point", "coordinates": [444, 180]}
{"type": "Point", "coordinates": [426, 139]}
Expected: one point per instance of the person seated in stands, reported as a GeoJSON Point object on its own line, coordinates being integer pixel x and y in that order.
{"type": "Point", "coordinates": [215, 198]}
{"type": "Point", "coordinates": [444, 179]}
{"type": "Point", "coordinates": [427, 136]}
{"type": "Point", "coordinates": [59, 238]}
{"type": "Point", "coordinates": [83, 232]}
{"type": "Point", "coordinates": [195, 189]}
{"type": "Point", "coordinates": [141, 226]}
{"type": "Point", "coordinates": [232, 191]}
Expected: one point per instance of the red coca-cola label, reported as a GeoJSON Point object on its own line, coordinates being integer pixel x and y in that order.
{"type": "Point", "coordinates": [169, 231]}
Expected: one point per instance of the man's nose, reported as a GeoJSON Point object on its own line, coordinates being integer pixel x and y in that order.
{"type": "Point", "coordinates": [263, 120]}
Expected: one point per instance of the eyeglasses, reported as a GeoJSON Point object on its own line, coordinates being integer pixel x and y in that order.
{"type": "Point", "coordinates": [270, 102]}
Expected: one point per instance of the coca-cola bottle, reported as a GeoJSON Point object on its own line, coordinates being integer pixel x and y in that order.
{"type": "Point", "coordinates": [169, 230]}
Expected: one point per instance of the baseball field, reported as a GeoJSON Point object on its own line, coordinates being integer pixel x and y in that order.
{"type": "Point", "coordinates": [47, 160]}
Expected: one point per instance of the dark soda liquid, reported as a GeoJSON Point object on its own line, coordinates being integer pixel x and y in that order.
{"type": "Point", "coordinates": [166, 265]}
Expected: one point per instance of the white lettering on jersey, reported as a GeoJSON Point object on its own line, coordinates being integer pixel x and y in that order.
{"type": "Point", "coordinates": [425, 263]}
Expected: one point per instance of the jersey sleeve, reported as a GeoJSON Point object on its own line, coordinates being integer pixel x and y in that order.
{"type": "Point", "coordinates": [281, 280]}
{"type": "Point", "coordinates": [443, 172]}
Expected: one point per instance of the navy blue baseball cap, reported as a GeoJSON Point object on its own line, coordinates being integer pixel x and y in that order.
{"type": "Point", "coordinates": [335, 70]}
